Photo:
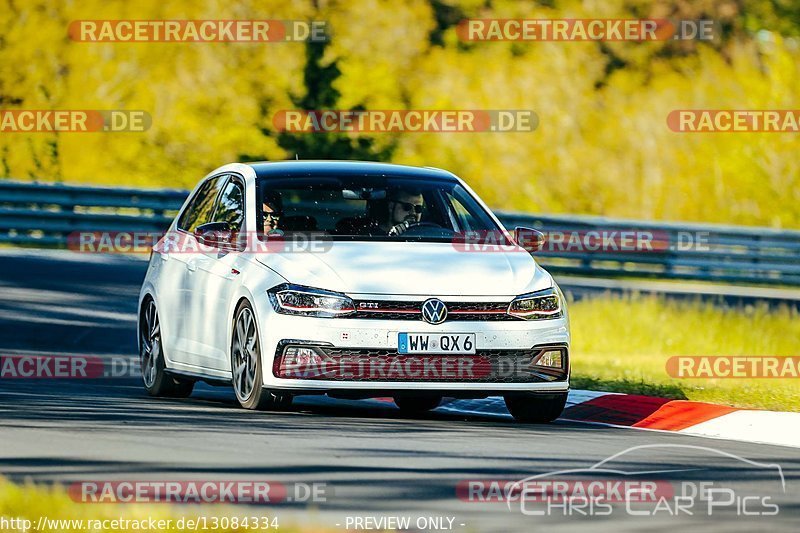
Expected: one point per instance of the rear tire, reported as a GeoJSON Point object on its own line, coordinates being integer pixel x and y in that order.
{"type": "Point", "coordinates": [416, 405]}
{"type": "Point", "coordinates": [246, 367]}
{"type": "Point", "coordinates": [157, 381]}
{"type": "Point", "coordinates": [532, 408]}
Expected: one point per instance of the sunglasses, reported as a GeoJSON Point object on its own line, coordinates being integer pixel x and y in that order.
{"type": "Point", "coordinates": [409, 207]}
{"type": "Point", "coordinates": [272, 216]}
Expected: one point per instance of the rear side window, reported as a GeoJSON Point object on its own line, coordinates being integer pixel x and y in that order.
{"type": "Point", "coordinates": [200, 208]}
{"type": "Point", "coordinates": [230, 207]}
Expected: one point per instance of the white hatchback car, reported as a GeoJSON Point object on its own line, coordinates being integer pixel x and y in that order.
{"type": "Point", "coordinates": [355, 280]}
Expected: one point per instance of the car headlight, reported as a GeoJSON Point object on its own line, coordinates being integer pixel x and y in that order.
{"type": "Point", "coordinates": [306, 301]}
{"type": "Point", "coordinates": [539, 305]}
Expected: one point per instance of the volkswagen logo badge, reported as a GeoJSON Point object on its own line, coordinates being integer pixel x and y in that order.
{"type": "Point", "coordinates": [434, 311]}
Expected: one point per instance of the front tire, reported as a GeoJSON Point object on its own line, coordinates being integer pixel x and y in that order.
{"type": "Point", "coordinates": [248, 383]}
{"type": "Point", "coordinates": [532, 408]}
{"type": "Point", "coordinates": [157, 382]}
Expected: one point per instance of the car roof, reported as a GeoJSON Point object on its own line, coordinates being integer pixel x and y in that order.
{"type": "Point", "coordinates": [283, 169]}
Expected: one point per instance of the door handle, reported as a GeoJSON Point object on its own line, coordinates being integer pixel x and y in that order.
{"type": "Point", "coordinates": [191, 265]}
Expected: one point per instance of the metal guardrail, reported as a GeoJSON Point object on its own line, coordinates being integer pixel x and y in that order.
{"type": "Point", "coordinates": [708, 252]}
{"type": "Point", "coordinates": [46, 214]}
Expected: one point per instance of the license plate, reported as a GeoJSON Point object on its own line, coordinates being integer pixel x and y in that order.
{"type": "Point", "coordinates": [458, 343]}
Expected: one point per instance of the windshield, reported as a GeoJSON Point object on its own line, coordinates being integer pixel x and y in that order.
{"type": "Point", "coordinates": [371, 208]}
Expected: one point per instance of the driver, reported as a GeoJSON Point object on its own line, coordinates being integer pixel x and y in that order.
{"type": "Point", "coordinates": [404, 209]}
{"type": "Point", "coordinates": [271, 212]}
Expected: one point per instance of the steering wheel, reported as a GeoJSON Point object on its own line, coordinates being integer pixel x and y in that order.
{"type": "Point", "coordinates": [422, 225]}
{"type": "Point", "coordinates": [417, 229]}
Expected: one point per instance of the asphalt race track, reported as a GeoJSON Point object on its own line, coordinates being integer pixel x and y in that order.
{"type": "Point", "coordinates": [373, 461]}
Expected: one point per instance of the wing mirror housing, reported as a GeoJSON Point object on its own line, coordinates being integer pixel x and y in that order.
{"type": "Point", "coordinates": [217, 234]}
{"type": "Point", "coordinates": [529, 239]}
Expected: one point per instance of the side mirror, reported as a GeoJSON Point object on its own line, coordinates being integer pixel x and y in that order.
{"type": "Point", "coordinates": [529, 239]}
{"type": "Point", "coordinates": [215, 234]}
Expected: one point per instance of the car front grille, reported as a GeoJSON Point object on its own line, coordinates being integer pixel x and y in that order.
{"type": "Point", "coordinates": [366, 364]}
{"type": "Point", "coordinates": [456, 311]}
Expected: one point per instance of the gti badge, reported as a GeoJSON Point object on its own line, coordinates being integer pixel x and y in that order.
{"type": "Point", "coordinates": [434, 311]}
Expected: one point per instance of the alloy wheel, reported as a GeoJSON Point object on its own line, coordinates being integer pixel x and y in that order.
{"type": "Point", "coordinates": [245, 354]}
{"type": "Point", "coordinates": [150, 345]}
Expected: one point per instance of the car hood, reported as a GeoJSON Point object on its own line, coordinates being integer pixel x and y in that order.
{"type": "Point", "coordinates": [411, 268]}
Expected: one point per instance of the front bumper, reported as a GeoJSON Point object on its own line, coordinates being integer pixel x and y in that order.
{"type": "Point", "coordinates": [353, 337]}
